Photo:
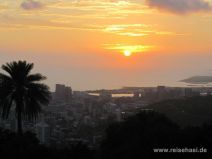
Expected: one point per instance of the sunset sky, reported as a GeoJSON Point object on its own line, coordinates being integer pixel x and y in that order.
{"type": "Point", "coordinates": [83, 43]}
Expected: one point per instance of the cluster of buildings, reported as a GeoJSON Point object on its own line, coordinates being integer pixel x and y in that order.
{"type": "Point", "coordinates": [74, 116]}
{"type": "Point", "coordinates": [156, 94]}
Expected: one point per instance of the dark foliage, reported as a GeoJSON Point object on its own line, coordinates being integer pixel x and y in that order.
{"type": "Point", "coordinates": [139, 135]}
{"type": "Point", "coordinates": [27, 146]}
{"type": "Point", "coordinates": [191, 111]}
{"type": "Point", "coordinates": [134, 138]}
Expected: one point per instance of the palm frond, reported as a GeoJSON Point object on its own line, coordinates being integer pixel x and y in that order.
{"type": "Point", "coordinates": [28, 67]}
{"type": "Point", "coordinates": [6, 86]}
{"type": "Point", "coordinates": [7, 68]}
{"type": "Point", "coordinates": [35, 77]}
{"type": "Point", "coordinates": [4, 77]}
{"type": "Point", "coordinates": [5, 106]}
{"type": "Point", "coordinates": [40, 92]}
{"type": "Point", "coordinates": [32, 109]}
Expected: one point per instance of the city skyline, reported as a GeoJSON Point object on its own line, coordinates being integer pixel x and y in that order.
{"type": "Point", "coordinates": [109, 43]}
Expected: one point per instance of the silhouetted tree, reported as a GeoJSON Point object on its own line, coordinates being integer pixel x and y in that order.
{"type": "Point", "coordinates": [139, 135]}
{"type": "Point", "coordinates": [27, 146]}
{"type": "Point", "coordinates": [22, 90]}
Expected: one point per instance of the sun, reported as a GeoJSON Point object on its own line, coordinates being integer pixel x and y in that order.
{"type": "Point", "coordinates": [127, 53]}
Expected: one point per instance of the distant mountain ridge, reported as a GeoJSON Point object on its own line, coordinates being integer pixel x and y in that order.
{"type": "Point", "coordinates": [198, 79]}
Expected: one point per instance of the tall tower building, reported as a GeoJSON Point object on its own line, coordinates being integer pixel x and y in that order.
{"type": "Point", "coordinates": [63, 93]}
{"type": "Point", "coordinates": [68, 94]}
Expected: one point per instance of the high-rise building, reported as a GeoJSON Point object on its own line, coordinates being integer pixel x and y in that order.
{"type": "Point", "coordinates": [59, 92]}
{"type": "Point", "coordinates": [68, 94]}
{"type": "Point", "coordinates": [63, 93]}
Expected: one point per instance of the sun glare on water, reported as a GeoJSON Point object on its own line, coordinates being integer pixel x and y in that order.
{"type": "Point", "coordinates": [127, 53]}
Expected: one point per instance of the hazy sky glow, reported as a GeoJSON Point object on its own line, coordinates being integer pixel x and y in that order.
{"type": "Point", "coordinates": [82, 42]}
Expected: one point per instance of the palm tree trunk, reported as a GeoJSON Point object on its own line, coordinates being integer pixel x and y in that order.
{"type": "Point", "coordinates": [19, 123]}
{"type": "Point", "coordinates": [19, 118]}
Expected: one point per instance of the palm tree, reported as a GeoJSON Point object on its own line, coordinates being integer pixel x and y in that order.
{"type": "Point", "coordinates": [23, 91]}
